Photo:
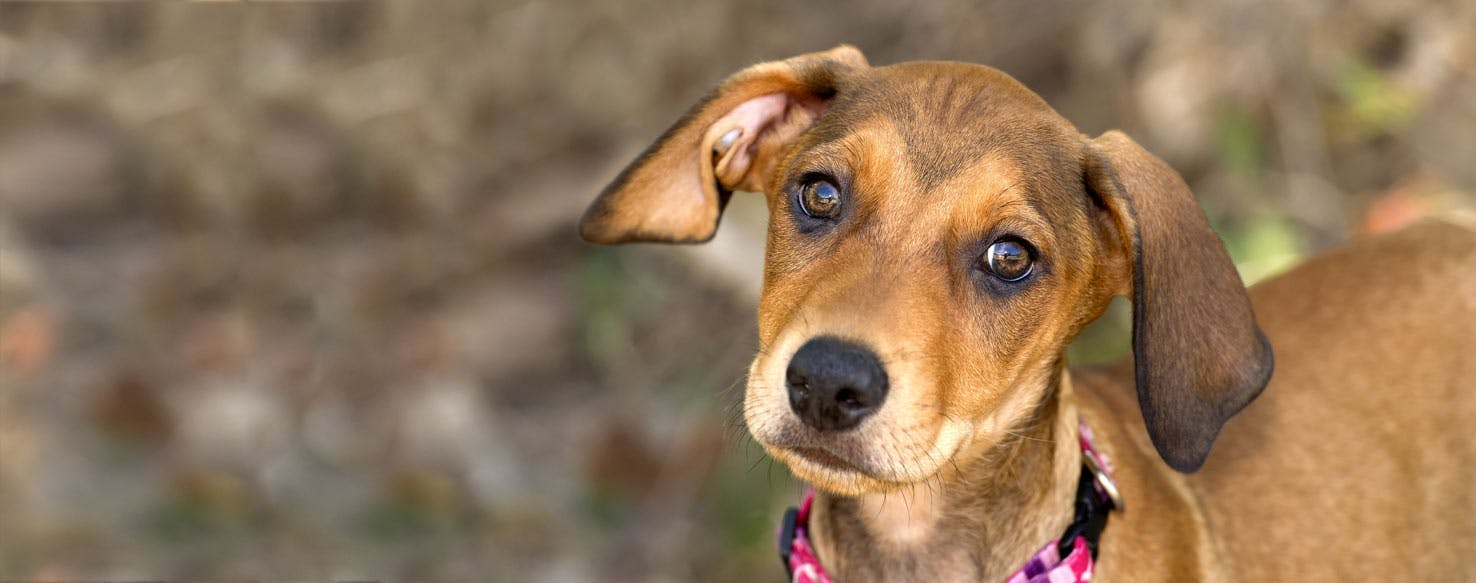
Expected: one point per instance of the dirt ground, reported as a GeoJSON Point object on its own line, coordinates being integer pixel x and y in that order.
{"type": "Point", "coordinates": [292, 291]}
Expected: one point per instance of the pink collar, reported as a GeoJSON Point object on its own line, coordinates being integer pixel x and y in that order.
{"type": "Point", "coordinates": [1055, 563]}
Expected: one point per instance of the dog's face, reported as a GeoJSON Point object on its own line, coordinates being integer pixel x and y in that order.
{"type": "Point", "coordinates": [909, 232]}
{"type": "Point", "coordinates": [937, 236]}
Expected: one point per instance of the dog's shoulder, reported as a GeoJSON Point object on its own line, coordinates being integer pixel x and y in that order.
{"type": "Point", "coordinates": [1428, 268]}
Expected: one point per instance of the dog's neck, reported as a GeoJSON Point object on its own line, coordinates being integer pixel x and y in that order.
{"type": "Point", "coordinates": [981, 519]}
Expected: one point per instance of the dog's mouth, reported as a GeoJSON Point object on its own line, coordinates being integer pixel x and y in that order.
{"type": "Point", "coordinates": [858, 463]}
{"type": "Point", "coordinates": [844, 465]}
{"type": "Point", "coordinates": [812, 454]}
{"type": "Point", "coordinates": [822, 457]}
{"type": "Point", "coordinates": [831, 471]}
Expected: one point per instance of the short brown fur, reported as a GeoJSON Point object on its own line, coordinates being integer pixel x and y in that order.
{"type": "Point", "coordinates": [1357, 462]}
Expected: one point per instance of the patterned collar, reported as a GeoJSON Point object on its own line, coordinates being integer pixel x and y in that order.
{"type": "Point", "coordinates": [1069, 558]}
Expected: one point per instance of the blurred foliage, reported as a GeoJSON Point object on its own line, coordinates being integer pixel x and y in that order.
{"type": "Point", "coordinates": [1371, 102]}
{"type": "Point", "coordinates": [291, 291]}
{"type": "Point", "coordinates": [1242, 149]}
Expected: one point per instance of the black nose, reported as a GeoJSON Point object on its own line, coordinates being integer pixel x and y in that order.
{"type": "Point", "coordinates": [834, 384]}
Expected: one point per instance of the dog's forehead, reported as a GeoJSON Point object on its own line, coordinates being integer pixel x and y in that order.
{"type": "Point", "coordinates": [950, 116]}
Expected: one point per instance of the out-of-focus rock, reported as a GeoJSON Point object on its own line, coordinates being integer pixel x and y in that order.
{"type": "Point", "coordinates": [20, 276]}
{"type": "Point", "coordinates": [129, 408]}
{"type": "Point", "coordinates": [517, 325]}
{"type": "Point", "coordinates": [64, 173]}
{"type": "Point", "coordinates": [301, 172]}
{"type": "Point", "coordinates": [1442, 124]}
{"type": "Point", "coordinates": [233, 423]}
{"type": "Point", "coordinates": [619, 462]}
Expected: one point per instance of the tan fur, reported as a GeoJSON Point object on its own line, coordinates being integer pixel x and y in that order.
{"type": "Point", "coordinates": [1357, 463]}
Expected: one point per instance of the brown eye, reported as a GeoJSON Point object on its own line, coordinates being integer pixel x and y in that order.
{"type": "Point", "coordinates": [820, 199]}
{"type": "Point", "coordinates": [1009, 259]}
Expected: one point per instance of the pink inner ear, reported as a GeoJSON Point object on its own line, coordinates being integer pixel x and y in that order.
{"type": "Point", "coordinates": [750, 118]}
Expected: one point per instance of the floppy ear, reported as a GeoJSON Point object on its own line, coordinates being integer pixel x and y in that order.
{"type": "Point", "coordinates": [731, 140]}
{"type": "Point", "coordinates": [1198, 354]}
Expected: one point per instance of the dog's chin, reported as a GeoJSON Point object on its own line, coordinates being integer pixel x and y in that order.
{"type": "Point", "coordinates": [830, 472]}
{"type": "Point", "coordinates": [837, 475]}
{"type": "Point", "coordinates": [852, 464]}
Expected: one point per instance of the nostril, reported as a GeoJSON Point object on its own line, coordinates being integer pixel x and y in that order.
{"type": "Point", "coordinates": [849, 399]}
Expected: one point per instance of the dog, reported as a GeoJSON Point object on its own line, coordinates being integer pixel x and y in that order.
{"type": "Point", "coordinates": [938, 234]}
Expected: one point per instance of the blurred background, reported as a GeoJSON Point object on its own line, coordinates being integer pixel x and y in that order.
{"type": "Point", "coordinates": [292, 291]}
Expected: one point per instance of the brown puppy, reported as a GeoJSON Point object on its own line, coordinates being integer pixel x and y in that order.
{"type": "Point", "coordinates": [938, 235]}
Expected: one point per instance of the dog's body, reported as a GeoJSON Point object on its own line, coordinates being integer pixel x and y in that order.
{"type": "Point", "coordinates": [1359, 461]}
{"type": "Point", "coordinates": [938, 235]}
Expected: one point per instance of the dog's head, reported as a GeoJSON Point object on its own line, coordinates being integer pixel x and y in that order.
{"type": "Point", "coordinates": [937, 236]}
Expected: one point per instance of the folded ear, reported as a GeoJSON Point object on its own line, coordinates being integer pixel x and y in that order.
{"type": "Point", "coordinates": [1199, 356]}
{"type": "Point", "coordinates": [731, 140]}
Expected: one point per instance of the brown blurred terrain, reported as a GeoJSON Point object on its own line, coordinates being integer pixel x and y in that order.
{"type": "Point", "coordinates": [292, 291]}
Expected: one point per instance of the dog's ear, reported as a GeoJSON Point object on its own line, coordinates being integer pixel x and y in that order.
{"type": "Point", "coordinates": [731, 140]}
{"type": "Point", "coordinates": [1199, 355]}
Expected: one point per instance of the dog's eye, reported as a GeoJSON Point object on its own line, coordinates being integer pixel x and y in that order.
{"type": "Point", "coordinates": [820, 199]}
{"type": "Point", "coordinates": [1009, 259]}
